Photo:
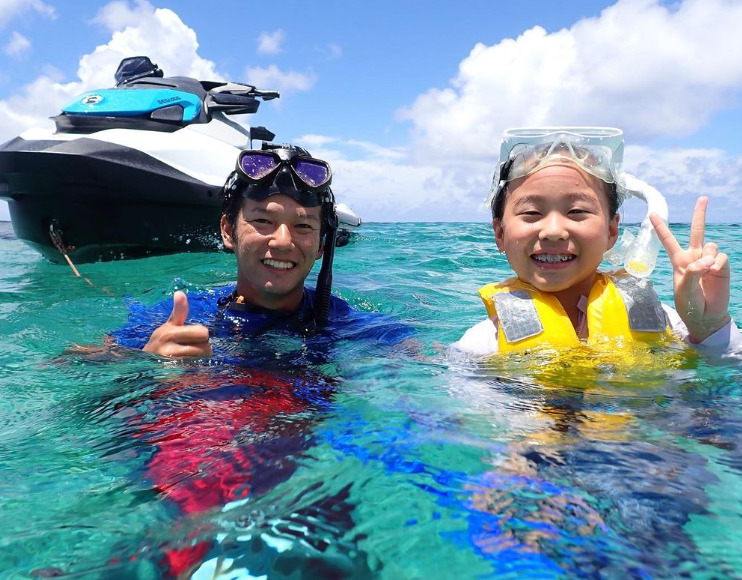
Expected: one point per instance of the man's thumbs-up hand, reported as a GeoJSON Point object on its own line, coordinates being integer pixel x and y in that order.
{"type": "Point", "coordinates": [175, 338]}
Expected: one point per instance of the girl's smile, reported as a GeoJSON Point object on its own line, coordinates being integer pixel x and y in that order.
{"type": "Point", "coordinates": [555, 229]}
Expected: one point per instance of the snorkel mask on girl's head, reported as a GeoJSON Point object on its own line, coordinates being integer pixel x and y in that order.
{"type": "Point", "coordinates": [598, 151]}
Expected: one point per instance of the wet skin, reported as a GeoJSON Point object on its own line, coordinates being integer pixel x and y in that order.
{"type": "Point", "coordinates": [276, 242]}
{"type": "Point", "coordinates": [555, 228]}
{"type": "Point", "coordinates": [701, 276]}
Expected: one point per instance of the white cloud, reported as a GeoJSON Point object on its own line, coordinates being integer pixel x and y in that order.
{"type": "Point", "coordinates": [386, 185]}
{"type": "Point", "coordinates": [116, 16]}
{"type": "Point", "coordinates": [17, 45]}
{"type": "Point", "coordinates": [652, 70]}
{"type": "Point", "coordinates": [33, 104]}
{"type": "Point", "coordinates": [271, 42]}
{"type": "Point", "coordinates": [274, 78]}
{"type": "Point", "coordinates": [158, 33]}
{"type": "Point", "coordinates": [12, 9]}
{"type": "Point", "coordinates": [681, 175]}
{"type": "Point", "coordinates": [372, 150]}
{"type": "Point", "coordinates": [648, 68]}
{"type": "Point", "coordinates": [381, 184]}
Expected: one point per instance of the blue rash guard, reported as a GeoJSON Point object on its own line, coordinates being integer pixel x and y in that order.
{"type": "Point", "coordinates": [232, 430]}
{"type": "Point", "coordinates": [244, 334]}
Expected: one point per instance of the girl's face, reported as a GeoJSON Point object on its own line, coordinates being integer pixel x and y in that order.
{"type": "Point", "coordinates": [555, 228]}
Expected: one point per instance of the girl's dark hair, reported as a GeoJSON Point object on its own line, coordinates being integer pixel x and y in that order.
{"type": "Point", "coordinates": [498, 201]}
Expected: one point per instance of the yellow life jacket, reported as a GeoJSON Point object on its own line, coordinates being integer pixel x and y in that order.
{"type": "Point", "coordinates": [620, 310]}
{"type": "Point", "coordinates": [629, 346]}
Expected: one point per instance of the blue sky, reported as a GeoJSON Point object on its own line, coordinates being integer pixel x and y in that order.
{"type": "Point", "coordinates": [408, 100]}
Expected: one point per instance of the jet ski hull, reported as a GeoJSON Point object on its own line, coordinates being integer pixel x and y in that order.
{"type": "Point", "coordinates": [107, 202]}
{"type": "Point", "coordinates": [111, 202]}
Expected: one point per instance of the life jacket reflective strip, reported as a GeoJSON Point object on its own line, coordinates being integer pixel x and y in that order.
{"type": "Point", "coordinates": [619, 306]}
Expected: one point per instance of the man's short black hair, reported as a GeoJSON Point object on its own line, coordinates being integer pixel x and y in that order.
{"type": "Point", "coordinates": [232, 205]}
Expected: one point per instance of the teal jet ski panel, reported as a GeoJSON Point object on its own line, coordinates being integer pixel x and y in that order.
{"type": "Point", "coordinates": [135, 102]}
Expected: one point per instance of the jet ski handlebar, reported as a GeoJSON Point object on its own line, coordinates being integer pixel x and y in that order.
{"type": "Point", "coordinates": [244, 89]}
{"type": "Point", "coordinates": [237, 98]}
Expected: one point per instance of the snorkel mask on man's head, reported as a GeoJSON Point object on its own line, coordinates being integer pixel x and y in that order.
{"type": "Point", "coordinates": [274, 169]}
{"type": "Point", "coordinates": [599, 152]}
{"type": "Point", "coordinates": [288, 170]}
{"type": "Point", "coordinates": [285, 169]}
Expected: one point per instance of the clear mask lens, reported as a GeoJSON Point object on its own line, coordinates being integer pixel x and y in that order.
{"type": "Point", "coordinates": [595, 159]}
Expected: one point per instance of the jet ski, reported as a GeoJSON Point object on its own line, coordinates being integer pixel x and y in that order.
{"type": "Point", "coordinates": [134, 170]}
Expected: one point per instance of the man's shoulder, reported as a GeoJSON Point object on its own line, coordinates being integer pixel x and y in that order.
{"type": "Point", "coordinates": [349, 322]}
{"type": "Point", "coordinates": [340, 305]}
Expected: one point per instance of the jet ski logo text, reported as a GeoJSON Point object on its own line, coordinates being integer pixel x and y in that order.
{"type": "Point", "coordinates": [92, 99]}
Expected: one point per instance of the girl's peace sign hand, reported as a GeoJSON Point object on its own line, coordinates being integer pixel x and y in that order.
{"type": "Point", "coordinates": [701, 276]}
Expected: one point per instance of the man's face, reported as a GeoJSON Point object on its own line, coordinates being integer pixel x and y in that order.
{"type": "Point", "coordinates": [276, 242]}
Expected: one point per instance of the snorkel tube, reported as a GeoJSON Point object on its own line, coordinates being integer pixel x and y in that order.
{"type": "Point", "coordinates": [639, 253]}
{"type": "Point", "coordinates": [324, 278]}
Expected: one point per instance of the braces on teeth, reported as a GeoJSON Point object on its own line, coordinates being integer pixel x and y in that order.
{"type": "Point", "coordinates": [552, 258]}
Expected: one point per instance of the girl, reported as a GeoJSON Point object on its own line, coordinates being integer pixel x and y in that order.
{"type": "Point", "coordinates": [555, 199]}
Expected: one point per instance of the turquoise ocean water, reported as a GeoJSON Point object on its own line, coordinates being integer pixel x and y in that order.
{"type": "Point", "coordinates": [443, 468]}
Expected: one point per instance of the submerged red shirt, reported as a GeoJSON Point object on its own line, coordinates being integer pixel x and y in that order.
{"type": "Point", "coordinates": [221, 433]}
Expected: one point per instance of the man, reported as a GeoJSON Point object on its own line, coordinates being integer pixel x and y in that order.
{"type": "Point", "coordinates": [278, 219]}
{"type": "Point", "coordinates": [226, 432]}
